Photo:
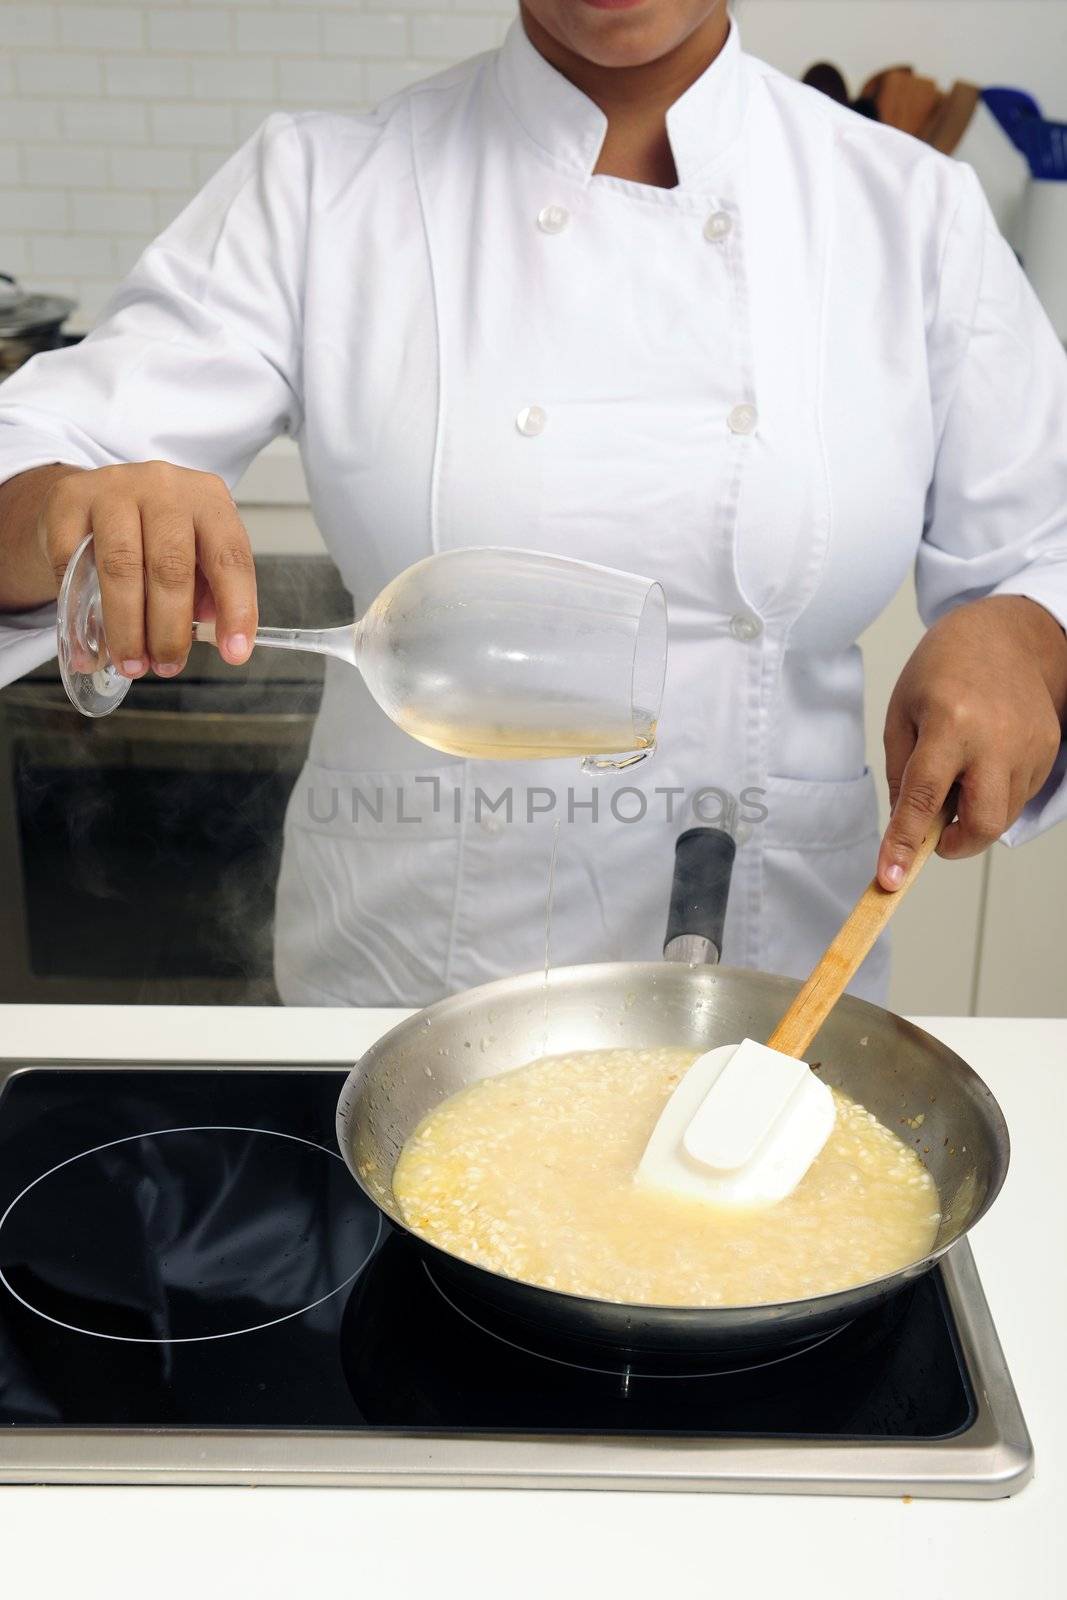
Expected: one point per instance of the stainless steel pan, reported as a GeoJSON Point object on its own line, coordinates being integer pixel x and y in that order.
{"type": "Point", "coordinates": [913, 1084]}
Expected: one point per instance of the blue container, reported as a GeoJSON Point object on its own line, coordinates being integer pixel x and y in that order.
{"type": "Point", "coordinates": [1043, 143]}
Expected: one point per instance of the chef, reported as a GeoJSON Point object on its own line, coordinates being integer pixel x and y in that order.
{"type": "Point", "coordinates": [616, 291]}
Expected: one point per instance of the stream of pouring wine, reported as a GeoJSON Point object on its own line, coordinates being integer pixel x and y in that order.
{"type": "Point", "coordinates": [548, 930]}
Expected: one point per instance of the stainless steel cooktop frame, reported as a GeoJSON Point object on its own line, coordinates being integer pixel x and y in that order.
{"type": "Point", "coordinates": [988, 1460]}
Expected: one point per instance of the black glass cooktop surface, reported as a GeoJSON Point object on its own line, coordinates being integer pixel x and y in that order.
{"type": "Point", "coordinates": [184, 1248]}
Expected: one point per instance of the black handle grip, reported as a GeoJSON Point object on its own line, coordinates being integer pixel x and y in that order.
{"type": "Point", "coordinates": [703, 862]}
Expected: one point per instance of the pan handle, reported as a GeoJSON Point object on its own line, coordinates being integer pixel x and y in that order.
{"type": "Point", "coordinates": [703, 862]}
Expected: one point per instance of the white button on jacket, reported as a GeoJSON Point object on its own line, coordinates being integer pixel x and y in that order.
{"type": "Point", "coordinates": [718, 225]}
{"type": "Point", "coordinates": [742, 419]}
{"type": "Point", "coordinates": [746, 628]}
{"type": "Point", "coordinates": [531, 421]}
{"type": "Point", "coordinates": [552, 219]}
{"type": "Point", "coordinates": [777, 418]}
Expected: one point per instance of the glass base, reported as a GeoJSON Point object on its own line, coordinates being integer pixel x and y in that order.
{"type": "Point", "coordinates": [92, 683]}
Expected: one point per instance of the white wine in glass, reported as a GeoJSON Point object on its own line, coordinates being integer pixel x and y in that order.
{"type": "Point", "coordinates": [487, 653]}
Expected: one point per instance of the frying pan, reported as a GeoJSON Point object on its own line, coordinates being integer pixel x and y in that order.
{"type": "Point", "coordinates": [913, 1084]}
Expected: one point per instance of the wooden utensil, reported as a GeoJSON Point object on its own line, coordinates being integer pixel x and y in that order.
{"type": "Point", "coordinates": [836, 968]}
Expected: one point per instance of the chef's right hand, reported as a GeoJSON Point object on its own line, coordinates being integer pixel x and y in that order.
{"type": "Point", "coordinates": [169, 546]}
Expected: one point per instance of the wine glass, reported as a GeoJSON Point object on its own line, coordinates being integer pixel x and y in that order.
{"type": "Point", "coordinates": [486, 653]}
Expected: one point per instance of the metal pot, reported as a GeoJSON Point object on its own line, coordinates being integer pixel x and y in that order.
{"type": "Point", "coordinates": [29, 323]}
{"type": "Point", "coordinates": [912, 1083]}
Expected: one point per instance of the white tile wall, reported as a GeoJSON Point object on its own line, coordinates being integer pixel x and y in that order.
{"type": "Point", "coordinates": [99, 27]}
{"type": "Point", "coordinates": [111, 115]}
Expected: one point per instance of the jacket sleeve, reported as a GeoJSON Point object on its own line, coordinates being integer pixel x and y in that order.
{"type": "Point", "coordinates": [197, 358]}
{"type": "Point", "coordinates": [996, 519]}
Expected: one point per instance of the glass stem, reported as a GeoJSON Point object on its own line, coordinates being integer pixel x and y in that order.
{"type": "Point", "coordinates": [339, 642]}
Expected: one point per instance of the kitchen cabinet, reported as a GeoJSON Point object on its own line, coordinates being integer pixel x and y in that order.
{"type": "Point", "coordinates": [1020, 966]}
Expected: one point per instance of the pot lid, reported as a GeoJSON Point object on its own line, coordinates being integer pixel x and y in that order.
{"type": "Point", "coordinates": [22, 313]}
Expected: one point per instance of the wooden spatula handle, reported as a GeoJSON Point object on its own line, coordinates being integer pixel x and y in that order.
{"type": "Point", "coordinates": [842, 960]}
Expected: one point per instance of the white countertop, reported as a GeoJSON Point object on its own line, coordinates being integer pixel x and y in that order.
{"type": "Point", "coordinates": [517, 1545]}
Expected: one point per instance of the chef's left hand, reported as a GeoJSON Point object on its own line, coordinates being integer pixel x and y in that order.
{"type": "Point", "coordinates": [980, 703]}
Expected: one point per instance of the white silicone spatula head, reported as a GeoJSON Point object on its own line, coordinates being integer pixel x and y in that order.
{"type": "Point", "coordinates": [741, 1129]}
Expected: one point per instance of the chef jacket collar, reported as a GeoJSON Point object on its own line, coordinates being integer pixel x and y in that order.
{"type": "Point", "coordinates": [570, 127]}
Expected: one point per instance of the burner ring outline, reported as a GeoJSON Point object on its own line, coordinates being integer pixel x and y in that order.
{"type": "Point", "coordinates": [627, 1370]}
{"type": "Point", "coordinates": [198, 1338]}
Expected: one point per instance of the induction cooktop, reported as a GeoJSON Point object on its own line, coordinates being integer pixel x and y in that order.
{"type": "Point", "coordinates": [194, 1290]}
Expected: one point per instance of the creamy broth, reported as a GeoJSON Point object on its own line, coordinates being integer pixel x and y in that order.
{"type": "Point", "coordinates": [531, 1174]}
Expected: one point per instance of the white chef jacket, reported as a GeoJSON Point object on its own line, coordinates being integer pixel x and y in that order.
{"type": "Point", "coordinates": [774, 387]}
